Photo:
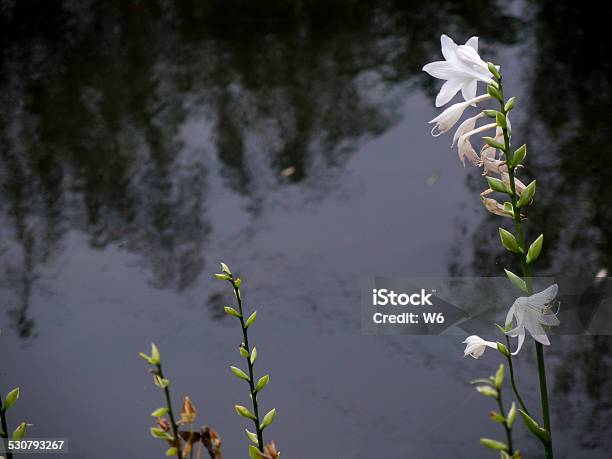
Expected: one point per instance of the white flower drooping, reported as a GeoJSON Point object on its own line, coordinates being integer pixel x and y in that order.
{"type": "Point", "coordinates": [531, 314]}
{"type": "Point", "coordinates": [475, 346]}
{"type": "Point", "coordinates": [462, 69]}
{"type": "Point", "coordinates": [449, 117]}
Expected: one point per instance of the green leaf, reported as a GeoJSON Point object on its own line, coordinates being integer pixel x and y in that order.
{"type": "Point", "coordinates": [20, 431]}
{"type": "Point", "coordinates": [499, 377]}
{"type": "Point", "coordinates": [155, 357]}
{"type": "Point", "coordinates": [252, 436]}
{"type": "Point", "coordinates": [481, 381]}
{"type": "Point", "coordinates": [511, 415]}
{"type": "Point", "coordinates": [243, 352]}
{"type": "Point", "coordinates": [263, 382]}
{"type": "Point", "coordinates": [497, 185]}
{"type": "Point", "coordinates": [519, 155]}
{"type": "Point", "coordinates": [493, 444]}
{"type": "Point", "coordinates": [172, 451]}
{"type": "Point", "coordinates": [516, 281]}
{"type": "Point", "coordinates": [146, 357]}
{"type": "Point", "coordinates": [244, 412]}
{"type": "Point", "coordinates": [253, 355]}
{"type": "Point", "coordinates": [496, 417]}
{"type": "Point", "coordinates": [159, 412]}
{"type": "Point", "coordinates": [11, 398]}
{"type": "Point", "coordinates": [268, 418]}
{"type": "Point", "coordinates": [487, 391]}
{"type": "Point", "coordinates": [509, 241]}
{"type": "Point", "coordinates": [510, 104]}
{"type": "Point", "coordinates": [493, 143]}
{"type": "Point", "coordinates": [159, 433]}
{"type": "Point", "coordinates": [535, 428]}
{"type": "Point", "coordinates": [238, 372]}
{"type": "Point", "coordinates": [232, 312]}
{"type": "Point", "coordinates": [527, 195]}
{"type": "Point", "coordinates": [500, 120]}
{"type": "Point", "coordinates": [250, 320]}
{"type": "Point", "coordinates": [254, 453]}
{"type": "Point", "coordinates": [534, 249]}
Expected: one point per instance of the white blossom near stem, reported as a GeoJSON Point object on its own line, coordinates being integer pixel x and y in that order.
{"type": "Point", "coordinates": [449, 117]}
{"type": "Point", "coordinates": [465, 148]}
{"type": "Point", "coordinates": [462, 69]}
{"type": "Point", "coordinates": [531, 314]}
{"type": "Point", "coordinates": [468, 125]}
{"type": "Point", "coordinates": [475, 346]}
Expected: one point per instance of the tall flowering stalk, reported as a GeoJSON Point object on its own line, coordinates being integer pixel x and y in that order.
{"type": "Point", "coordinates": [257, 450]}
{"type": "Point", "coordinates": [181, 442]}
{"type": "Point", "coordinates": [463, 69]}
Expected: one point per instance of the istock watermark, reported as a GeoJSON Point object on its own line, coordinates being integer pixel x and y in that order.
{"type": "Point", "coordinates": [456, 306]}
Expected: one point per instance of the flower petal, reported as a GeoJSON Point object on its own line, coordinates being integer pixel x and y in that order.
{"type": "Point", "coordinates": [468, 90]}
{"type": "Point", "coordinates": [449, 49]}
{"type": "Point", "coordinates": [448, 91]}
{"type": "Point", "coordinates": [472, 42]}
{"type": "Point", "coordinates": [521, 340]}
{"type": "Point", "coordinates": [443, 70]}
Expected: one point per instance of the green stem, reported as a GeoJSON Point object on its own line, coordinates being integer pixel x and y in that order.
{"type": "Point", "coordinates": [505, 424]}
{"type": "Point", "coordinates": [4, 428]}
{"type": "Point", "coordinates": [245, 336]}
{"type": "Point", "coordinates": [526, 273]}
{"type": "Point", "coordinates": [175, 430]}
{"type": "Point", "coordinates": [513, 382]}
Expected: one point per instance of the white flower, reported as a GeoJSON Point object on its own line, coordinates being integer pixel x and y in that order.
{"type": "Point", "coordinates": [532, 313]}
{"type": "Point", "coordinates": [494, 206]}
{"type": "Point", "coordinates": [462, 69]}
{"type": "Point", "coordinates": [475, 346]}
{"type": "Point", "coordinates": [449, 117]}
{"type": "Point", "coordinates": [465, 148]}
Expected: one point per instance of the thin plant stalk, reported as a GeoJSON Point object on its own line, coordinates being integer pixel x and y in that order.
{"type": "Point", "coordinates": [526, 272]}
{"type": "Point", "coordinates": [175, 431]}
{"type": "Point", "coordinates": [507, 428]}
{"type": "Point", "coordinates": [253, 392]}
{"type": "Point", "coordinates": [512, 381]}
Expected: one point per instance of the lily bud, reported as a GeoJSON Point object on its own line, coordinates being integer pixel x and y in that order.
{"type": "Point", "coordinates": [449, 117]}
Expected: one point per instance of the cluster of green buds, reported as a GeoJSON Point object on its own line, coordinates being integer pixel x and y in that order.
{"type": "Point", "coordinates": [492, 387]}
{"type": "Point", "coordinates": [5, 405]}
{"type": "Point", "coordinates": [181, 442]}
{"type": "Point", "coordinates": [257, 450]}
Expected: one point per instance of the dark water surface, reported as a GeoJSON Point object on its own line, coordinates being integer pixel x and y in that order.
{"type": "Point", "coordinates": [143, 142]}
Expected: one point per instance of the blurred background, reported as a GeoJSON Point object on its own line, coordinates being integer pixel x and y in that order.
{"type": "Point", "coordinates": [142, 142]}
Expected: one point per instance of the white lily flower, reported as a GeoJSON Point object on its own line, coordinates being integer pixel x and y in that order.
{"type": "Point", "coordinates": [465, 148]}
{"type": "Point", "coordinates": [490, 163]}
{"type": "Point", "coordinates": [475, 346]}
{"type": "Point", "coordinates": [532, 313]}
{"type": "Point", "coordinates": [449, 117]}
{"type": "Point", "coordinates": [462, 69]}
{"type": "Point", "coordinates": [468, 125]}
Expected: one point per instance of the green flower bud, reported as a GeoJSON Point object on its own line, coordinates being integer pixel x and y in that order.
{"type": "Point", "coordinates": [244, 412]}
{"type": "Point", "coordinates": [263, 382]}
{"type": "Point", "coordinates": [497, 185]}
{"type": "Point", "coordinates": [516, 281]}
{"type": "Point", "coordinates": [268, 418]}
{"type": "Point", "coordinates": [238, 372]}
{"type": "Point", "coordinates": [535, 248]}
{"type": "Point", "coordinates": [487, 391]}
{"type": "Point", "coordinates": [509, 241]}
{"type": "Point", "coordinates": [11, 398]}
{"type": "Point", "coordinates": [499, 377]}
{"type": "Point", "coordinates": [250, 320]}
{"type": "Point", "coordinates": [493, 444]}
{"type": "Point", "coordinates": [527, 195]}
